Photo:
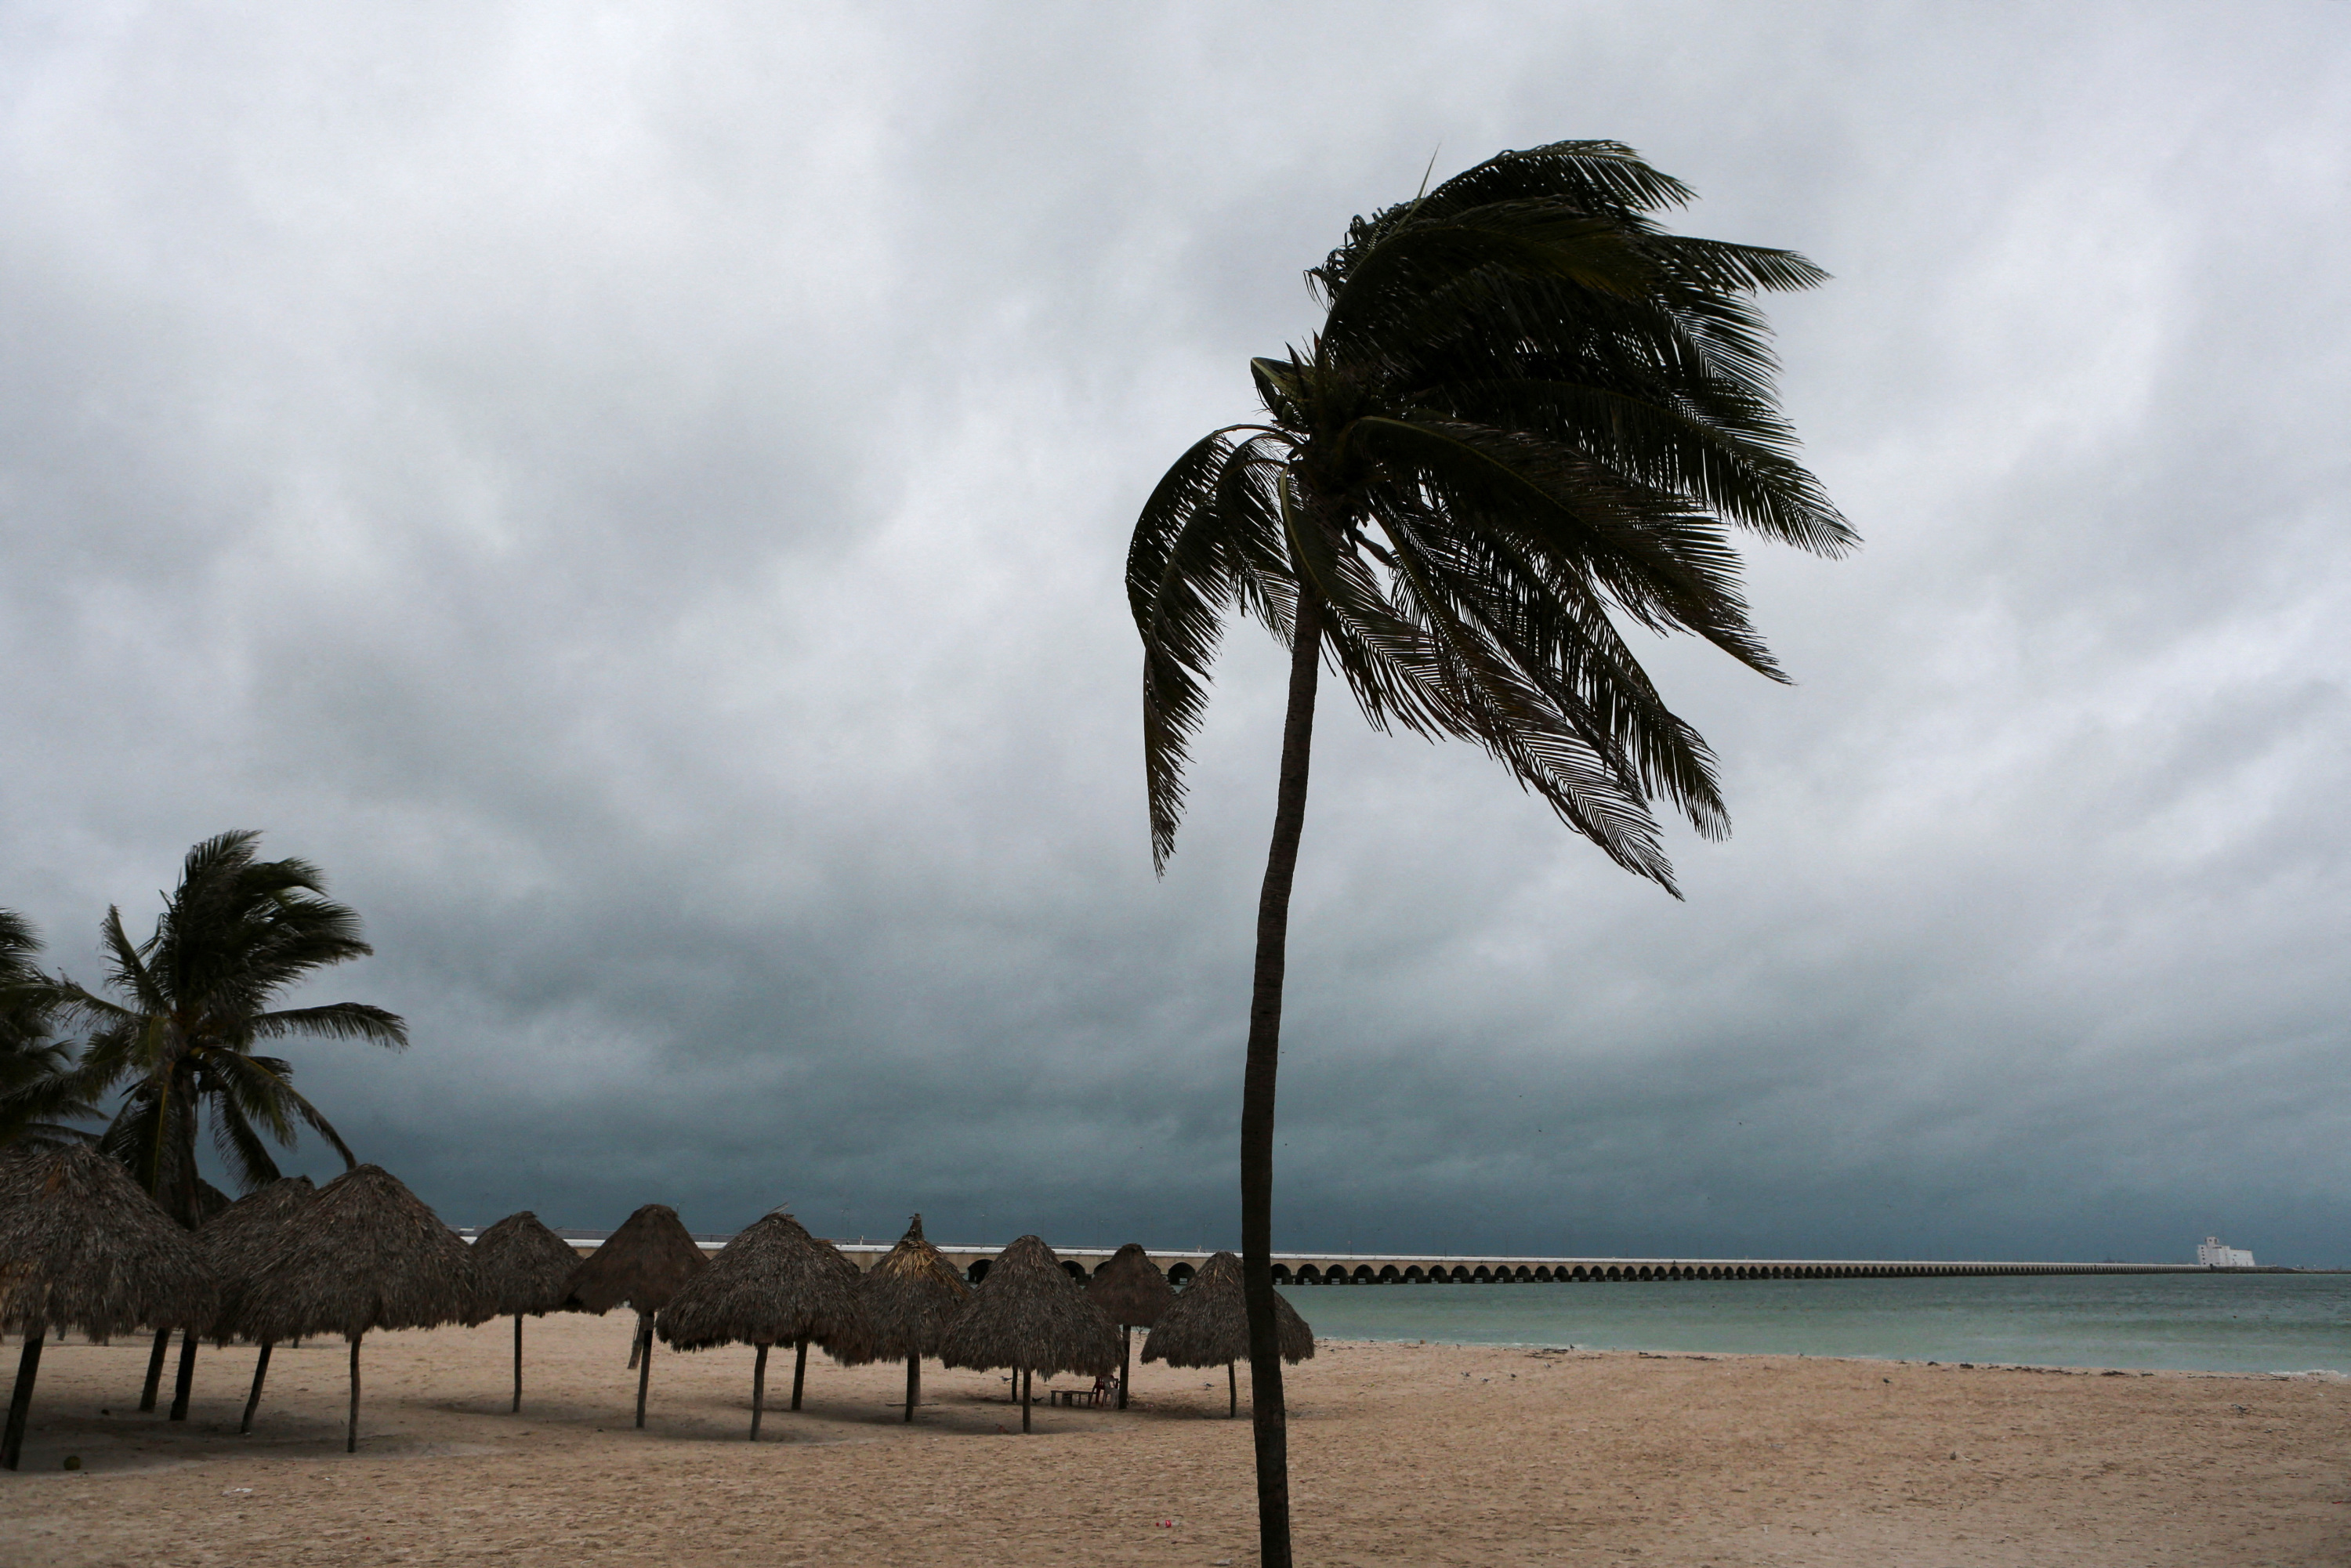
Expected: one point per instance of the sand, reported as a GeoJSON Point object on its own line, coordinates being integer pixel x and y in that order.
{"type": "Point", "coordinates": [1401, 1454]}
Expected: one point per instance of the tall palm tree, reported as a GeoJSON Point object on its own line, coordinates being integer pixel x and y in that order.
{"type": "Point", "coordinates": [194, 1000]}
{"type": "Point", "coordinates": [1529, 417]}
{"type": "Point", "coordinates": [41, 1086]}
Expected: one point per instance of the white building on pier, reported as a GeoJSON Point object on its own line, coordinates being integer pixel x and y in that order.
{"type": "Point", "coordinates": [2212, 1255]}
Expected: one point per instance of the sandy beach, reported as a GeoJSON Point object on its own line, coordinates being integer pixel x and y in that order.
{"type": "Point", "coordinates": [1401, 1454]}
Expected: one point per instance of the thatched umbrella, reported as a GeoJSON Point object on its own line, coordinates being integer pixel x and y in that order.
{"type": "Point", "coordinates": [1029, 1315]}
{"type": "Point", "coordinates": [366, 1253]}
{"type": "Point", "coordinates": [237, 1243]}
{"type": "Point", "coordinates": [522, 1267]}
{"type": "Point", "coordinates": [81, 1246]}
{"type": "Point", "coordinates": [773, 1284]}
{"type": "Point", "coordinates": [1208, 1326]}
{"type": "Point", "coordinates": [644, 1263]}
{"type": "Point", "coordinates": [1131, 1293]}
{"type": "Point", "coordinates": [913, 1294]}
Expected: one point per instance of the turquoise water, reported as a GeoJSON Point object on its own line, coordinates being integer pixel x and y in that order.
{"type": "Point", "coordinates": [2204, 1322]}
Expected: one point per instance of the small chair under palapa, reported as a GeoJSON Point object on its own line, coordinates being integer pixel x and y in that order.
{"type": "Point", "coordinates": [82, 1246]}
{"type": "Point", "coordinates": [1029, 1315]}
{"type": "Point", "coordinates": [238, 1242]}
{"type": "Point", "coordinates": [522, 1267]}
{"type": "Point", "coordinates": [1208, 1325]}
{"type": "Point", "coordinates": [643, 1265]}
{"type": "Point", "coordinates": [772, 1284]}
{"type": "Point", "coordinates": [1131, 1293]}
{"type": "Point", "coordinates": [366, 1253]}
{"type": "Point", "coordinates": [912, 1295]}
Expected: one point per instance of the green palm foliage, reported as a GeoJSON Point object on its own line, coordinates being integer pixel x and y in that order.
{"type": "Point", "coordinates": [41, 1088]}
{"type": "Point", "coordinates": [191, 1004]}
{"type": "Point", "coordinates": [1531, 422]}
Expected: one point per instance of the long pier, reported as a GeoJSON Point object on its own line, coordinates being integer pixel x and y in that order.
{"type": "Point", "coordinates": [1484, 1269]}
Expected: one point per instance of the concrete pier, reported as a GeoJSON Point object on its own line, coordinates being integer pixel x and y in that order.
{"type": "Point", "coordinates": [1481, 1268]}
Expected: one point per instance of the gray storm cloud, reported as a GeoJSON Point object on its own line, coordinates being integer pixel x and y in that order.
{"type": "Point", "coordinates": [641, 498]}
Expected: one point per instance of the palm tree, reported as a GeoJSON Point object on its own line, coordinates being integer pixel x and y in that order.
{"type": "Point", "coordinates": [195, 1001]}
{"type": "Point", "coordinates": [1531, 416]}
{"type": "Point", "coordinates": [41, 1087]}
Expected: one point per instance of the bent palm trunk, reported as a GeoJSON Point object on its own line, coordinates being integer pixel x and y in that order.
{"type": "Point", "coordinates": [1270, 1420]}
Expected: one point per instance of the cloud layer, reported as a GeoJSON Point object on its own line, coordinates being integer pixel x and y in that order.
{"type": "Point", "coordinates": [641, 500]}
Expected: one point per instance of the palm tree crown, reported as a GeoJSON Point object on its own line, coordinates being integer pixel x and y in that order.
{"type": "Point", "coordinates": [195, 1000]}
{"type": "Point", "coordinates": [1529, 414]}
{"type": "Point", "coordinates": [41, 1088]}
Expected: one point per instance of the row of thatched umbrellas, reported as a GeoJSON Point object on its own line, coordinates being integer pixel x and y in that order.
{"type": "Point", "coordinates": [83, 1248]}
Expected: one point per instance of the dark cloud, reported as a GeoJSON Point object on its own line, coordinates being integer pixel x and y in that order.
{"type": "Point", "coordinates": [641, 500]}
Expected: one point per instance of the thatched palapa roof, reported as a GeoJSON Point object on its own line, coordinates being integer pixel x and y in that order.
{"type": "Point", "coordinates": [912, 1295]}
{"type": "Point", "coordinates": [644, 1263]}
{"type": "Point", "coordinates": [773, 1284]}
{"type": "Point", "coordinates": [1028, 1313]}
{"type": "Point", "coordinates": [239, 1240]}
{"type": "Point", "coordinates": [1207, 1324]}
{"type": "Point", "coordinates": [81, 1246]}
{"type": "Point", "coordinates": [522, 1267]}
{"type": "Point", "coordinates": [1130, 1288]}
{"type": "Point", "coordinates": [366, 1253]}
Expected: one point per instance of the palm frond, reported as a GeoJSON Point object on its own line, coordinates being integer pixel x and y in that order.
{"type": "Point", "coordinates": [334, 1021]}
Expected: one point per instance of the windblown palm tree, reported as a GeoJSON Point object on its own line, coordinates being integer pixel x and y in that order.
{"type": "Point", "coordinates": [1530, 417]}
{"type": "Point", "coordinates": [42, 1088]}
{"type": "Point", "coordinates": [195, 1001]}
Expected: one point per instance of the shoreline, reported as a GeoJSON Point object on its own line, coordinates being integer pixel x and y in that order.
{"type": "Point", "coordinates": [2067, 1369]}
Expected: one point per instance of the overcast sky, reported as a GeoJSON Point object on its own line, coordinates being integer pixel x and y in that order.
{"type": "Point", "coordinates": [639, 495]}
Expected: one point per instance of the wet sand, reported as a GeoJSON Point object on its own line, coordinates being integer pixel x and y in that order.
{"type": "Point", "coordinates": [1400, 1454]}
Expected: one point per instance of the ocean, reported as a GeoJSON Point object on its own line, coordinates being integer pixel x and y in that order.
{"type": "Point", "coordinates": [2201, 1322]}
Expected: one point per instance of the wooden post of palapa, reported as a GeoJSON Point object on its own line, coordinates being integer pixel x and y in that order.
{"type": "Point", "coordinates": [155, 1369]}
{"type": "Point", "coordinates": [644, 1360]}
{"type": "Point", "coordinates": [351, 1437]}
{"type": "Point", "coordinates": [800, 1370]}
{"type": "Point", "coordinates": [20, 1400]}
{"type": "Point", "coordinates": [186, 1380]}
{"type": "Point", "coordinates": [253, 1400]}
{"type": "Point", "coordinates": [517, 1402]}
